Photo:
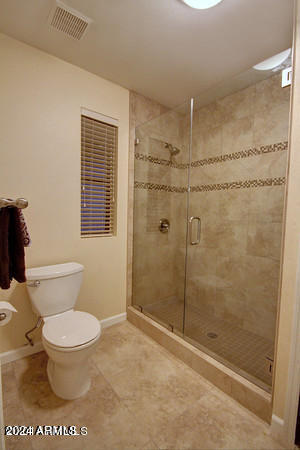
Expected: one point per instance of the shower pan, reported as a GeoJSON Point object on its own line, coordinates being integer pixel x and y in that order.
{"type": "Point", "coordinates": [208, 220]}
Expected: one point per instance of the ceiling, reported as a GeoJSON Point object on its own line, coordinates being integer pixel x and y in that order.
{"type": "Point", "coordinates": [159, 48]}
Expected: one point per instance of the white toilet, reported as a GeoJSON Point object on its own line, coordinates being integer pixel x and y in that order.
{"type": "Point", "coordinates": [69, 337]}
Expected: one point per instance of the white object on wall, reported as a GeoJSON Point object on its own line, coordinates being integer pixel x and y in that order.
{"type": "Point", "coordinates": [6, 310]}
{"type": "Point", "coordinates": [287, 77]}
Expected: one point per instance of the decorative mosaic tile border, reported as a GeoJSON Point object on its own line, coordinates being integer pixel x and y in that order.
{"type": "Point", "coordinates": [163, 162]}
{"type": "Point", "coordinates": [280, 146]}
{"type": "Point", "coordinates": [279, 181]}
{"type": "Point", "coordinates": [159, 187]}
{"type": "Point", "coordinates": [242, 154]}
{"type": "Point", "coordinates": [246, 184]}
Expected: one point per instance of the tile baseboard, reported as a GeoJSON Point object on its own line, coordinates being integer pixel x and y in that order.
{"type": "Point", "coordinates": [21, 352]}
{"type": "Point", "coordinates": [105, 323]}
{"type": "Point", "coordinates": [278, 432]}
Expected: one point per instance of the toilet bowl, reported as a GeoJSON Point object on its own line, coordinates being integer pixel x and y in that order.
{"type": "Point", "coordinates": [69, 337]}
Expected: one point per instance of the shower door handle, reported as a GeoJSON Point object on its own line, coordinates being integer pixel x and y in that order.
{"type": "Point", "coordinates": [198, 230]}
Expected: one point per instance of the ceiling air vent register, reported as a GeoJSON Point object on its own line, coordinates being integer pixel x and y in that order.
{"type": "Point", "coordinates": [68, 20]}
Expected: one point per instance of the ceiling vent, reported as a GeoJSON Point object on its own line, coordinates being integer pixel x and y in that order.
{"type": "Point", "coordinates": [68, 20]}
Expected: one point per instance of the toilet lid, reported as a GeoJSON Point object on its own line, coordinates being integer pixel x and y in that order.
{"type": "Point", "coordinates": [71, 329]}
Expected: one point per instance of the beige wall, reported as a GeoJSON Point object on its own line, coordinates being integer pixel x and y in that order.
{"type": "Point", "coordinates": [41, 97]}
{"type": "Point", "coordinates": [291, 243]}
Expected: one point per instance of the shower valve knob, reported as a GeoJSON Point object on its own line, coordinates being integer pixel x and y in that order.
{"type": "Point", "coordinates": [164, 225]}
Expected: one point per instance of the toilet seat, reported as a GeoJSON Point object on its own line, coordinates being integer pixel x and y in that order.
{"type": "Point", "coordinates": [71, 330]}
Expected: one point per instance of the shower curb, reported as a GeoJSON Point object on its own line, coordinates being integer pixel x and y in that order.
{"type": "Point", "coordinates": [235, 386]}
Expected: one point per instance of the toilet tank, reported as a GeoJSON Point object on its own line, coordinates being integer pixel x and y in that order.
{"type": "Point", "coordinates": [54, 289]}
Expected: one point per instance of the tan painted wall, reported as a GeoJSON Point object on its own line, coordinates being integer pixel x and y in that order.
{"type": "Point", "coordinates": [40, 105]}
{"type": "Point", "coordinates": [291, 242]}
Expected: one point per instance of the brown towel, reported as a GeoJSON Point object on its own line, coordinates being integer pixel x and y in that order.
{"type": "Point", "coordinates": [12, 257]}
{"type": "Point", "coordinates": [26, 236]}
{"type": "Point", "coordinates": [4, 249]}
{"type": "Point", "coordinates": [16, 247]}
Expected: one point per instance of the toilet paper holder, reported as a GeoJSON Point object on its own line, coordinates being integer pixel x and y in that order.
{"type": "Point", "coordinates": [6, 311]}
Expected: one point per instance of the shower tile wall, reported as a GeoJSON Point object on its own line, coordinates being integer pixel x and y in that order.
{"type": "Point", "coordinates": [234, 272]}
{"type": "Point", "coordinates": [154, 253]}
{"type": "Point", "coordinates": [239, 158]}
{"type": "Point", "coordinates": [141, 110]}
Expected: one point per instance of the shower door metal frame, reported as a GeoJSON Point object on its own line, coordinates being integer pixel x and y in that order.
{"type": "Point", "coordinates": [187, 213]}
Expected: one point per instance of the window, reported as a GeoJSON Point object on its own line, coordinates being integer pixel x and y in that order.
{"type": "Point", "coordinates": [98, 174]}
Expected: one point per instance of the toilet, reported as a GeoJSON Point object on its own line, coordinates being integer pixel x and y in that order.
{"type": "Point", "coordinates": [69, 337]}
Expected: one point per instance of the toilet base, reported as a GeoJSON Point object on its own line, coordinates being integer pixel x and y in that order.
{"type": "Point", "coordinates": [66, 382]}
{"type": "Point", "coordinates": [68, 369]}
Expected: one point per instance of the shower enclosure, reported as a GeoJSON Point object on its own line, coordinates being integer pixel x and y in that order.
{"type": "Point", "coordinates": [209, 188]}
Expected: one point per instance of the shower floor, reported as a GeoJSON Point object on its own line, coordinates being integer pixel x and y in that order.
{"type": "Point", "coordinates": [243, 351]}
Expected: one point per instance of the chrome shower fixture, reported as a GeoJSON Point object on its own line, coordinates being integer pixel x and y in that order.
{"type": "Point", "coordinates": [173, 150]}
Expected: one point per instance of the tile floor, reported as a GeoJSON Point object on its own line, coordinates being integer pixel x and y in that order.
{"type": "Point", "coordinates": [141, 398]}
{"type": "Point", "coordinates": [241, 350]}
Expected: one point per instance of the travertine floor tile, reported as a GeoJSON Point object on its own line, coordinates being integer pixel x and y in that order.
{"type": "Point", "coordinates": [238, 423]}
{"type": "Point", "coordinates": [156, 394]}
{"type": "Point", "coordinates": [9, 380]}
{"type": "Point", "coordinates": [141, 397]}
{"type": "Point", "coordinates": [190, 430]}
{"type": "Point", "coordinates": [150, 446]}
{"type": "Point", "coordinates": [115, 350]}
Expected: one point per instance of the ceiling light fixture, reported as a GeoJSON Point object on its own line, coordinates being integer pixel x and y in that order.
{"type": "Point", "coordinates": [274, 62]}
{"type": "Point", "coordinates": [201, 4]}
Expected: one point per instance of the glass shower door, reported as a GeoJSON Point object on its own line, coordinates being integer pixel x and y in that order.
{"type": "Point", "coordinates": [160, 211]}
{"type": "Point", "coordinates": [208, 214]}
{"type": "Point", "coordinates": [237, 187]}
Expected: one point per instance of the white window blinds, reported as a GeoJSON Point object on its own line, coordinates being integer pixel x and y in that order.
{"type": "Point", "coordinates": [98, 173]}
